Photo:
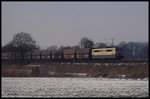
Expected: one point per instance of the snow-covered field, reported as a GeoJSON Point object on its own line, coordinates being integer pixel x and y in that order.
{"type": "Point", "coordinates": [73, 87]}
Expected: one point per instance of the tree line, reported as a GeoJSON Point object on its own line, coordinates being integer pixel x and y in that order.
{"type": "Point", "coordinates": [23, 42]}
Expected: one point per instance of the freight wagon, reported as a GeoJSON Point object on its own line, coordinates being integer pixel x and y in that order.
{"type": "Point", "coordinates": [69, 54]}
{"type": "Point", "coordinates": [4, 56]}
{"type": "Point", "coordinates": [46, 55]}
{"type": "Point", "coordinates": [57, 55]}
{"type": "Point", "coordinates": [17, 56]}
{"type": "Point", "coordinates": [36, 55]}
{"type": "Point", "coordinates": [28, 56]}
{"type": "Point", "coordinates": [83, 54]}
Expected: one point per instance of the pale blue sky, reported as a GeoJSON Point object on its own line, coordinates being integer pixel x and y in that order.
{"type": "Point", "coordinates": [64, 23]}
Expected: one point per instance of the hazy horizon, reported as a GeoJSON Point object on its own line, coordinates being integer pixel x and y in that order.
{"type": "Point", "coordinates": [65, 23]}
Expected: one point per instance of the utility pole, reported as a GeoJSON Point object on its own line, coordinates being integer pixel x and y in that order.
{"type": "Point", "coordinates": [112, 42]}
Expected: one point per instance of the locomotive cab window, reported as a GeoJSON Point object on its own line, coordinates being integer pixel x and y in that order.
{"type": "Point", "coordinates": [96, 51]}
{"type": "Point", "coordinates": [99, 50]}
{"type": "Point", "coordinates": [109, 50]}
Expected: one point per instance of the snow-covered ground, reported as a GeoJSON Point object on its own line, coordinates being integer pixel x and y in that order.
{"type": "Point", "coordinates": [73, 87]}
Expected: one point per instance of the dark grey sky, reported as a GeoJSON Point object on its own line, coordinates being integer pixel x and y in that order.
{"type": "Point", "coordinates": [64, 23]}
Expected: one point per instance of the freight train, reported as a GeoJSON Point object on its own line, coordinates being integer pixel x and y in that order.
{"type": "Point", "coordinates": [68, 54]}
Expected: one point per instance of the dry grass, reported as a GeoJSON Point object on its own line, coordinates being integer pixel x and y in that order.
{"type": "Point", "coordinates": [111, 70]}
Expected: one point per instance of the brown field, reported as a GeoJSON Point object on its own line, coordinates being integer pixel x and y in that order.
{"type": "Point", "coordinates": [110, 70]}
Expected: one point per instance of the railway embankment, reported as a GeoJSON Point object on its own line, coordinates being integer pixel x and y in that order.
{"type": "Point", "coordinates": [74, 69]}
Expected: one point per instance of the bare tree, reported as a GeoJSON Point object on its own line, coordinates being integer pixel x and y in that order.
{"type": "Point", "coordinates": [125, 49]}
{"type": "Point", "coordinates": [53, 47]}
{"type": "Point", "coordinates": [9, 48]}
{"type": "Point", "coordinates": [146, 52]}
{"type": "Point", "coordinates": [86, 43]}
{"type": "Point", "coordinates": [121, 44]}
{"type": "Point", "coordinates": [100, 45]}
{"type": "Point", "coordinates": [61, 48]}
{"type": "Point", "coordinates": [76, 47]}
{"type": "Point", "coordinates": [134, 50]}
{"type": "Point", "coordinates": [23, 42]}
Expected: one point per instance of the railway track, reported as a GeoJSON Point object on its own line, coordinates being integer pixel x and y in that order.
{"type": "Point", "coordinates": [72, 61]}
